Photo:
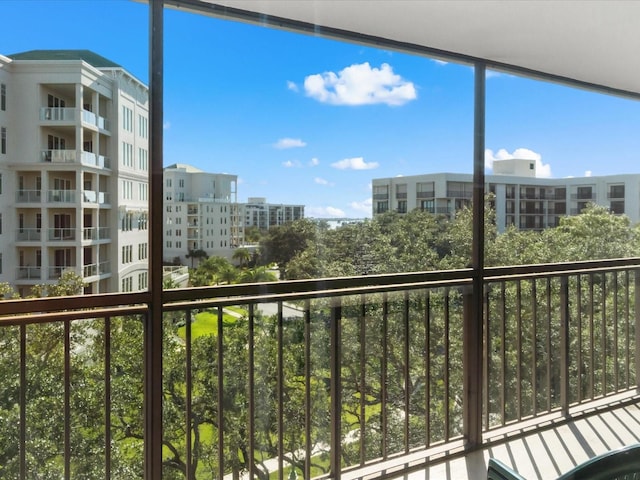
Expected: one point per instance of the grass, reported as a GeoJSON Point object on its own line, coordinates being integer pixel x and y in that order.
{"type": "Point", "coordinates": [206, 323]}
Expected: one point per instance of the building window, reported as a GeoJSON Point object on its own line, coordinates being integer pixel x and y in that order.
{"type": "Point", "coordinates": [402, 206]}
{"type": "Point", "coordinates": [127, 119]}
{"type": "Point", "coordinates": [3, 140]}
{"type": "Point", "coordinates": [617, 207]}
{"type": "Point", "coordinates": [3, 97]}
{"type": "Point", "coordinates": [143, 251]}
{"type": "Point", "coordinates": [143, 126]}
{"type": "Point", "coordinates": [584, 193]}
{"type": "Point", "coordinates": [127, 253]}
{"type": "Point", "coordinates": [127, 284]}
{"type": "Point", "coordinates": [380, 192]}
{"type": "Point", "coordinates": [181, 183]}
{"type": "Point", "coordinates": [127, 155]}
{"type": "Point", "coordinates": [616, 191]}
{"type": "Point", "coordinates": [401, 191]}
{"type": "Point", "coordinates": [382, 207]}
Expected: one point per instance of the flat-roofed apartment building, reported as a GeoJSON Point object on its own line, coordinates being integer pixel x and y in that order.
{"type": "Point", "coordinates": [258, 213]}
{"type": "Point", "coordinates": [200, 213]}
{"type": "Point", "coordinates": [74, 171]}
{"type": "Point", "coordinates": [520, 198]}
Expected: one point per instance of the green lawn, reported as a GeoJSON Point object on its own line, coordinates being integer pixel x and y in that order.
{"type": "Point", "coordinates": [206, 323]}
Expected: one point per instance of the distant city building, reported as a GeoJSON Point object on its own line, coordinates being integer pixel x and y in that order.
{"type": "Point", "coordinates": [258, 213]}
{"type": "Point", "coordinates": [521, 198]}
{"type": "Point", "coordinates": [200, 213]}
{"type": "Point", "coordinates": [74, 165]}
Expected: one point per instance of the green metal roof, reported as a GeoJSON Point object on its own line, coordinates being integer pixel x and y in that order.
{"type": "Point", "coordinates": [88, 56]}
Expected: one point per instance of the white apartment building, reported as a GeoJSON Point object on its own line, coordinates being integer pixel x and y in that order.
{"type": "Point", "coordinates": [521, 198]}
{"type": "Point", "coordinates": [258, 213]}
{"type": "Point", "coordinates": [200, 213]}
{"type": "Point", "coordinates": [73, 171]}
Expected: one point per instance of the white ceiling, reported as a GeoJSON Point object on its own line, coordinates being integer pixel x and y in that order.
{"type": "Point", "coordinates": [593, 41]}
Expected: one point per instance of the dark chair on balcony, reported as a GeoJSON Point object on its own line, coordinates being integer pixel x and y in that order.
{"type": "Point", "coordinates": [623, 464]}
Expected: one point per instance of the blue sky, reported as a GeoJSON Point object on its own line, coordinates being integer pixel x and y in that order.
{"type": "Point", "coordinates": [311, 121]}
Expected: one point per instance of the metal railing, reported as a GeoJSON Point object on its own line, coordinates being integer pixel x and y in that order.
{"type": "Point", "coordinates": [321, 376]}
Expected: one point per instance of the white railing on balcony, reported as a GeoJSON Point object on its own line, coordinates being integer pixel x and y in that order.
{"type": "Point", "coordinates": [95, 233]}
{"type": "Point", "coordinates": [94, 269]}
{"type": "Point", "coordinates": [90, 196]}
{"type": "Point", "coordinates": [28, 273]}
{"type": "Point", "coordinates": [59, 156]}
{"type": "Point", "coordinates": [89, 117]}
{"type": "Point", "coordinates": [62, 234]}
{"type": "Point", "coordinates": [58, 114]}
{"type": "Point", "coordinates": [103, 124]}
{"type": "Point", "coordinates": [88, 158]}
{"type": "Point", "coordinates": [55, 272]}
{"type": "Point", "coordinates": [63, 196]}
{"type": "Point", "coordinates": [28, 196]}
{"type": "Point", "coordinates": [28, 234]}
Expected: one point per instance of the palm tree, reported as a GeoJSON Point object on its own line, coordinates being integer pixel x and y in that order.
{"type": "Point", "coordinates": [242, 255]}
{"type": "Point", "coordinates": [199, 253]}
{"type": "Point", "coordinates": [257, 275]}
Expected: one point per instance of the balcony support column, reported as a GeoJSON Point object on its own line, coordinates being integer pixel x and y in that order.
{"type": "Point", "coordinates": [153, 320]}
{"type": "Point", "coordinates": [335, 363]}
{"type": "Point", "coordinates": [636, 309]}
{"type": "Point", "coordinates": [473, 305]}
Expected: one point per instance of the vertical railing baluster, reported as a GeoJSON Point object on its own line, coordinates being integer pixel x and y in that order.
{"type": "Point", "coordinates": [190, 474]}
{"type": "Point", "coordinates": [383, 372]}
{"type": "Point", "coordinates": [616, 369]}
{"type": "Point", "coordinates": [503, 353]}
{"type": "Point", "coordinates": [592, 374]}
{"type": "Point", "coordinates": [362, 332]}
{"type": "Point", "coordinates": [548, 342]}
{"type": "Point", "coordinates": [252, 393]}
{"type": "Point", "coordinates": [564, 344]}
{"type": "Point", "coordinates": [636, 325]}
{"type": "Point", "coordinates": [307, 391]}
{"type": "Point", "coordinates": [486, 364]}
{"type": "Point", "coordinates": [534, 345]}
{"type": "Point", "coordinates": [335, 361]}
{"type": "Point", "coordinates": [579, 395]}
{"type": "Point", "coordinates": [407, 379]}
{"type": "Point", "coordinates": [280, 390]}
{"type": "Point", "coordinates": [220, 398]}
{"type": "Point", "coordinates": [23, 402]}
{"type": "Point", "coordinates": [519, 350]}
{"type": "Point", "coordinates": [427, 367]}
{"type": "Point", "coordinates": [67, 399]}
{"type": "Point", "coordinates": [447, 312]}
{"type": "Point", "coordinates": [627, 318]}
{"type": "Point", "coordinates": [603, 325]}
{"type": "Point", "coordinates": [107, 397]}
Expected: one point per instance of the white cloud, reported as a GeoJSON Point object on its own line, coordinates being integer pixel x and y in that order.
{"type": "Point", "coordinates": [440, 62]}
{"type": "Point", "coordinates": [356, 163]}
{"type": "Point", "coordinates": [292, 86]}
{"type": "Point", "coordinates": [543, 170]}
{"type": "Point", "coordinates": [324, 212]}
{"type": "Point", "coordinates": [364, 206]}
{"type": "Point", "coordinates": [360, 84]}
{"type": "Point", "coordinates": [314, 162]}
{"type": "Point", "coordinates": [588, 173]}
{"type": "Point", "coordinates": [322, 181]}
{"type": "Point", "coordinates": [166, 125]}
{"type": "Point", "coordinates": [285, 143]}
{"type": "Point", "coordinates": [291, 164]}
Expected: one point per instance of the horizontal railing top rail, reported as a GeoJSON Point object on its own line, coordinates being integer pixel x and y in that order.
{"type": "Point", "coordinates": [313, 288]}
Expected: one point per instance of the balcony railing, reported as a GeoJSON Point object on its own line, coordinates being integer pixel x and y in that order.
{"type": "Point", "coordinates": [28, 273]}
{"type": "Point", "coordinates": [62, 234]}
{"type": "Point", "coordinates": [96, 233]}
{"type": "Point", "coordinates": [28, 235]}
{"type": "Point", "coordinates": [59, 156]}
{"type": "Point", "coordinates": [326, 377]}
{"type": "Point", "coordinates": [93, 269]}
{"type": "Point", "coordinates": [28, 196]}
{"type": "Point", "coordinates": [89, 196]}
{"type": "Point", "coordinates": [55, 272]}
{"type": "Point", "coordinates": [58, 114]}
{"type": "Point", "coordinates": [61, 196]}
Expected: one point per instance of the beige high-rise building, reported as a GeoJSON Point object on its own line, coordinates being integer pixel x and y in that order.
{"type": "Point", "coordinates": [74, 171]}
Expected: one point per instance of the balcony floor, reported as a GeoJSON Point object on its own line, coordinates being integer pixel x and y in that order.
{"type": "Point", "coordinates": [536, 452]}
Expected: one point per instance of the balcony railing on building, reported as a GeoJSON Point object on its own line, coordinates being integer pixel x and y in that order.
{"type": "Point", "coordinates": [71, 156]}
{"type": "Point", "coordinates": [28, 196]}
{"type": "Point", "coordinates": [28, 234]}
{"type": "Point", "coordinates": [338, 374]}
{"type": "Point", "coordinates": [94, 269]}
{"type": "Point", "coordinates": [69, 115]}
{"type": "Point", "coordinates": [61, 196]}
{"type": "Point", "coordinates": [96, 233]}
{"type": "Point", "coordinates": [62, 234]}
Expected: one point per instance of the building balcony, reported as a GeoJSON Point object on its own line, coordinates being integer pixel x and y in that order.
{"type": "Point", "coordinates": [96, 269]}
{"type": "Point", "coordinates": [28, 235]}
{"type": "Point", "coordinates": [28, 273]}
{"type": "Point", "coordinates": [100, 198]}
{"type": "Point", "coordinates": [96, 233]}
{"type": "Point", "coordinates": [358, 376]}
{"type": "Point", "coordinates": [61, 196]}
{"type": "Point", "coordinates": [61, 234]}
{"type": "Point", "coordinates": [89, 159]}
{"type": "Point", "coordinates": [68, 115]}
{"type": "Point", "coordinates": [55, 272]}
{"type": "Point", "coordinates": [28, 196]}
{"type": "Point", "coordinates": [430, 194]}
{"type": "Point", "coordinates": [583, 196]}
